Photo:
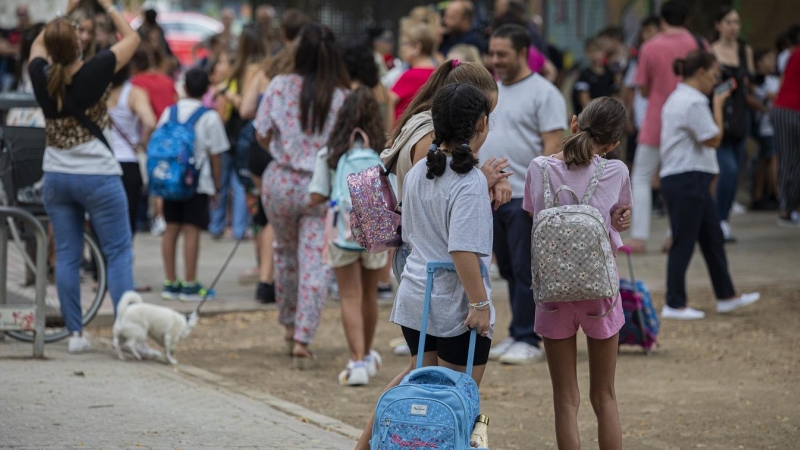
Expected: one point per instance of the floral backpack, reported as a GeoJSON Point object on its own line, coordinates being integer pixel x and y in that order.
{"type": "Point", "coordinates": [571, 256]}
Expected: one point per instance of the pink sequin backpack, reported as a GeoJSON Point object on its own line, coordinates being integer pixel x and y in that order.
{"type": "Point", "coordinates": [374, 219]}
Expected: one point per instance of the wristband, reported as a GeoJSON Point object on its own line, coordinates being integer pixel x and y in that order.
{"type": "Point", "coordinates": [111, 8]}
{"type": "Point", "coordinates": [480, 306]}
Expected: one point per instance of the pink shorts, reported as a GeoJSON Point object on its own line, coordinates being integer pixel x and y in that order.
{"type": "Point", "coordinates": [568, 316]}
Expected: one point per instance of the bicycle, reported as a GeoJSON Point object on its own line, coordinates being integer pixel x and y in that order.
{"type": "Point", "coordinates": [21, 154]}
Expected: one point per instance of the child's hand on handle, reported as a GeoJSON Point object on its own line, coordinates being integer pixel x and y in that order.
{"type": "Point", "coordinates": [493, 170]}
{"type": "Point", "coordinates": [479, 320]}
{"type": "Point", "coordinates": [621, 218]}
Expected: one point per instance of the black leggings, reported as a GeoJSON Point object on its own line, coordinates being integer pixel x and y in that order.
{"type": "Point", "coordinates": [133, 184]}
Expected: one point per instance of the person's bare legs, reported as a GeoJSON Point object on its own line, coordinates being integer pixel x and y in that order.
{"type": "Point", "coordinates": [369, 304]}
{"type": "Point", "coordinates": [266, 263]}
{"type": "Point", "coordinates": [350, 299]}
{"type": "Point", "coordinates": [602, 368]}
{"type": "Point", "coordinates": [386, 272]}
{"type": "Point", "coordinates": [191, 251]}
{"type": "Point", "coordinates": [169, 241]}
{"type": "Point", "coordinates": [428, 359]}
{"type": "Point", "coordinates": [562, 361]}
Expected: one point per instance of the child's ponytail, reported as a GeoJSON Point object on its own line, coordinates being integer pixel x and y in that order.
{"type": "Point", "coordinates": [436, 161]}
{"type": "Point", "coordinates": [602, 122]}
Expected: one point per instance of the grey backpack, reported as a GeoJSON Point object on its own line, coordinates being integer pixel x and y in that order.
{"type": "Point", "coordinates": [571, 256]}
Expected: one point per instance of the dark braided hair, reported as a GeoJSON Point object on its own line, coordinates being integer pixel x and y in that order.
{"type": "Point", "coordinates": [455, 109]}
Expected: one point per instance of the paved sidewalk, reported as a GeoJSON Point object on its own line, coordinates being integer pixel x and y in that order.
{"type": "Point", "coordinates": [96, 401]}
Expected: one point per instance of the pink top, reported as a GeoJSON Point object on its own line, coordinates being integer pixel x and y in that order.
{"type": "Point", "coordinates": [407, 86]}
{"type": "Point", "coordinates": [613, 190]}
{"type": "Point", "coordinates": [655, 72]}
{"type": "Point", "coordinates": [279, 111]}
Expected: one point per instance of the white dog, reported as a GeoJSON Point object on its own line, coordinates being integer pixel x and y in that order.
{"type": "Point", "coordinates": [136, 320]}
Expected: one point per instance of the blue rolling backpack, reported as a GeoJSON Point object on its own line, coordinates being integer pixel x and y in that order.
{"type": "Point", "coordinates": [433, 407]}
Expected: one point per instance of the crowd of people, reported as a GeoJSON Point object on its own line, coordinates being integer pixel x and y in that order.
{"type": "Point", "coordinates": [273, 112]}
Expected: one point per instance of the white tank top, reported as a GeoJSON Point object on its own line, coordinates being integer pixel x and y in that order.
{"type": "Point", "coordinates": [125, 125]}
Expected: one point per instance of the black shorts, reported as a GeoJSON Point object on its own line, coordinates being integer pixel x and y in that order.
{"type": "Point", "coordinates": [452, 350]}
{"type": "Point", "coordinates": [260, 218]}
{"type": "Point", "coordinates": [194, 211]}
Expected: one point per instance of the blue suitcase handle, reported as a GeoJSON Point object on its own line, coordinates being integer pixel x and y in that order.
{"type": "Point", "coordinates": [431, 268]}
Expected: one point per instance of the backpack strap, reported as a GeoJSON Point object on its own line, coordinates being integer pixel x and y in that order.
{"type": "Point", "coordinates": [699, 39]}
{"type": "Point", "coordinates": [173, 113]}
{"type": "Point", "coordinates": [70, 107]}
{"type": "Point", "coordinates": [195, 115]}
{"type": "Point", "coordinates": [594, 181]}
{"type": "Point", "coordinates": [364, 137]}
{"type": "Point", "coordinates": [564, 187]}
{"type": "Point", "coordinates": [548, 197]}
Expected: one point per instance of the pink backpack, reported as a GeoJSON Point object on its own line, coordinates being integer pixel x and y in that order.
{"type": "Point", "coordinates": [374, 220]}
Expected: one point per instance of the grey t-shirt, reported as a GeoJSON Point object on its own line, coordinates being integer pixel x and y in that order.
{"type": "Point", "coordinates": [524, 111]}
{"type": "Point", "coordinates": [687, 122]}
{"type": "Point", "coordinates": [447, 214]}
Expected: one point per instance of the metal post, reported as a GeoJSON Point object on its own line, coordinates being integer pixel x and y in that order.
{"type": "Point", "coordinates": [3, 265]}
{"type": "Point", "coordinates": [41, 270]}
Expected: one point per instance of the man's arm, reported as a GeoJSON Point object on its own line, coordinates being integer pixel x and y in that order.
{"type": "Point", "coordinates": [551, 142]}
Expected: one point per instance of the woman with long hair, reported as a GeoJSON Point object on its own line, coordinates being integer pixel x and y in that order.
{"type": "Point", "coordinates": [294, 120]}
{"type": "Point", "coordinates": [735, 62]}
{"type": "Point", "coordinates": [87, 33]}
{"type": "Point", "coordinates": [81, 173]}
{"type": "Point", "coordinates": [249, 55]}
{"type": "Point", "coordinates": [357, 272]}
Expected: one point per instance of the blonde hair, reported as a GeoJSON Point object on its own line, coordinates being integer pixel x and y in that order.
{"type": "Point", "coordinates": [422, 35]}
{"type": "Point", "coordinates": [465, 53]}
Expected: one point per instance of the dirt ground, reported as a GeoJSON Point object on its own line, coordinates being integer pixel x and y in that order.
{"type": "Point", "coordinates": [727, 382]}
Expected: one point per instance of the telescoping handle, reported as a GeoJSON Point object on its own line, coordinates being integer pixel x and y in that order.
{"type": "Point", "coordinates": [431, 268]}
{"type": "Point", "coordinates": [627, 250]}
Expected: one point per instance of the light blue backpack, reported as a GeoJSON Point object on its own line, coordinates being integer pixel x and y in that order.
{"type": "Point", "coordinates": [357, 159]}
{"type": "Point", "coordinates": [172, 168]}
{"type": "Point", "coordinates": [433, 407]}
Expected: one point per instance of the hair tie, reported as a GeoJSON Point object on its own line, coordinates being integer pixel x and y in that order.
{"type": "Point", "coordinates": [433, 148]}
{"type": "Point", "coordinates": [590, 131]}
{"type": "Point", "coordinates": [455, 63]}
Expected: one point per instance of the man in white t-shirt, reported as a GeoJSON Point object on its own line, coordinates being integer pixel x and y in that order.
{"type": "Point", "coordinates": [190, 217]}
{"type": "Point", "coordinates": [529, 121]}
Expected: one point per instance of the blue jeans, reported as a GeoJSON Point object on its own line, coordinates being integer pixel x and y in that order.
{"type": "Point", "coordinates": [230, 185]}
{"type": "Point", "coordinates": [729, 156]}
{"type": "Point", "coordinates": [512, 248]}
{"type": "Point", "coordinates": [67, 199]}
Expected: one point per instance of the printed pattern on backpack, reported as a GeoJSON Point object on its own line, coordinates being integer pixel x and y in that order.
{"type": "Point", "coordinates": [172, 168]}
{"type": "Point", "coordinates": [374, 220]}
{"type": "Point", "coordinates": [571, 255]}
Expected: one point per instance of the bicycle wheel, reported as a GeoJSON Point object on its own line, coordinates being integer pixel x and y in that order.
{"type": "Point", "coordinates": [21, 288]}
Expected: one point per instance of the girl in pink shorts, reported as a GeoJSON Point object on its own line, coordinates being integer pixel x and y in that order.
{"type": "Point", "coordinates": [596, 132]}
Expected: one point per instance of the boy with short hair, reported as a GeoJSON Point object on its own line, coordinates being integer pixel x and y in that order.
{"type": "Point", "coordinates": [190, 217]}
{"type": "Point", "coordinates": [596, 80]}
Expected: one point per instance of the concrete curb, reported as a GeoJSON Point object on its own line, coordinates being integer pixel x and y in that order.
{"type": "Point", "coordinates": [300, 413]}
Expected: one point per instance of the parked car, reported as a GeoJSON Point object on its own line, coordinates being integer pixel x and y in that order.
{"type": "Point", "coordinates": [184, 30]}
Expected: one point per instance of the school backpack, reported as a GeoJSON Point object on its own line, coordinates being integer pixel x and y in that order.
{"type": "Point", "coordinates": [245, 143]}
{"type": "Point", "coordinates": [432, 407]}
{"type": "Point", "coordinates": [375, 220]}
{"type": "Point", "coordinates": [571, 256]}
{"type": "Point", "coordinates": [357, 159]}
{"type": "Point", "coordinates": [171, 165]}
{"type": "Point", "coordinates": [641, 320]}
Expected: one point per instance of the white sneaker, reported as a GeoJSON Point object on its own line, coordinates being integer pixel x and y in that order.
{"type": "Point", "coordinates": [355, 374]}
{"type": "Point", "coordinates": [373, 362]}
{"type": "Point", "coordinates": [726, 306]}
{"type": "Point", "coordinates": [402, 350]}
{"type": "Point", "coordinates": [78, 343]}
{"type": "Point", "coordinates": [738, 209]}
{"type": "Point", "coordinates": [792, 222]}
{"type": "Point", "coordinates": [159, 226]}
{"type": "Point", "coordinates": [500, 349]}
{"type": "Point", "coordinates": [682, 314]}
{"type": "Point", "coordinates": [521, 353]}
{"type": "Point", "coordinates": [726, 231]}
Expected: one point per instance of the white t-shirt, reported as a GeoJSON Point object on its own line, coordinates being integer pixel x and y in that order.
{"type": "Point", "coordinates": [639, 101]}
{"type": "Point", "coordinates": [687, 122]}
{"type": "Point", "coordinates": [524, 111]}
{"type": "Point", "coordinates": [210, 138]}
{"type": "Point", "coordinates": [783, 60]}
{"type": "Point", "coordinates": [447, 214]}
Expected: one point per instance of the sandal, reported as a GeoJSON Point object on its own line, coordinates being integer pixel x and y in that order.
{"type": "Point", "coordinates": [304, 362]}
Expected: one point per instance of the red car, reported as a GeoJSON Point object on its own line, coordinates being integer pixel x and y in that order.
{"type": "Point", "coordinates": [184, 30]}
